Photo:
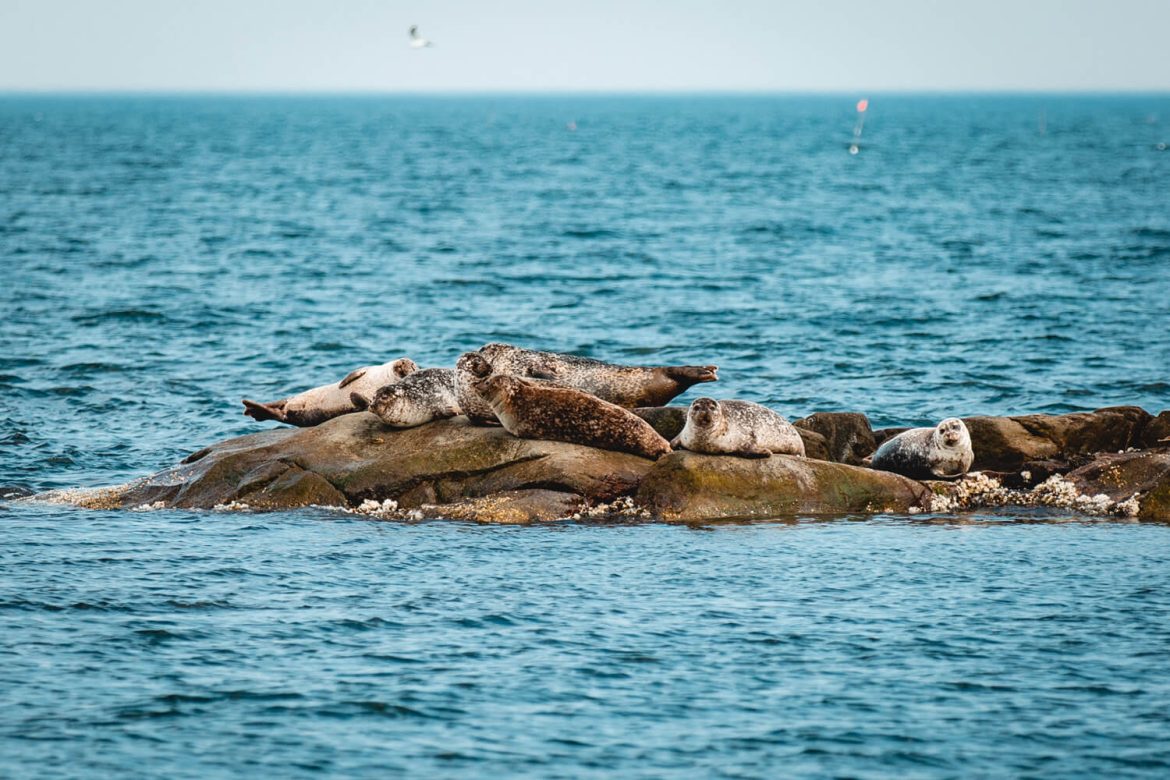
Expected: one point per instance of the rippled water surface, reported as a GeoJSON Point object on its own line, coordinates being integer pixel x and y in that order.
{"type": "Point", "coordinates": [165, 256]}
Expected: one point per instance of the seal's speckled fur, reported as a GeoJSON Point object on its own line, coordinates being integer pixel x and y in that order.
{"type": "Point", "coordinates": [628, 386]}
{"type": "Point", "coordinates": [470, 368]}
{"type": "Point", "coordinates": [315, 406]}
{"type": "Point", "coordinates": [532, 410]}
{"type": "Point", "coordinates": [419, 398]}
{"type": "Point", "coordinates": [943, 451]}
{"type": "Point", "coordinates": [737, 428]}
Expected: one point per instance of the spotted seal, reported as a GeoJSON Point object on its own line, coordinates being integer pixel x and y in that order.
{"type": "Point", "coordinates": [941, 452]}
{"type": "Point", "coordinates": [315, 406]}
{"type": "Point", "coordinates": [532, 410]}
{"type": "Point", "coordinates": [737, 428]}
{"type": "Point", "coordinates": [420, 398]}
{"type": "Point", "coordinates": [469, 368]}
{"type": "Point", "coordinates": [628, 386]}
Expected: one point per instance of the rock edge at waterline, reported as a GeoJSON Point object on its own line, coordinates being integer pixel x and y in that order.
{"type": "Point", "coordinates": [453, 470]}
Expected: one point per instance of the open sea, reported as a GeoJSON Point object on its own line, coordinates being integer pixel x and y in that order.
{"type": "Point", "coordinates": [163, 257]}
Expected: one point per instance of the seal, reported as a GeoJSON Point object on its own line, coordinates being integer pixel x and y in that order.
{"type": "Point", "coordinates": [628, 386]}
{"type": "Point", "coordinates": [418, 399]}
{"type": "Point", "coordinates": [315, 406]}
{"type": "Point", "coordinates": [532, 410]}
{"type": "Point", "coordinates": [941, 452]}
{"type": "Point", "coordinates": [737, 428]}
{"type": "Point", "coordinates": [469, 368]}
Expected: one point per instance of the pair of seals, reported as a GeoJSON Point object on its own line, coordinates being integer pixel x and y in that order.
{"type": "Point", "coordinates": [941, 452]}
{"type": "Point", "coordinates": [627, 386]}
{"type": "Point", "coordinates": [315, 406]}
{"type": "Point", "coordinates": [420, 398]}
{"type": "Point", "coordinates": [535, 410]}
{"type": "Point", "coordinates": [740, 428]}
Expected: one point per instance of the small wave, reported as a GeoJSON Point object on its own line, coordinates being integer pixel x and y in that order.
{"type": "Point", "coordinates": [120, 315]}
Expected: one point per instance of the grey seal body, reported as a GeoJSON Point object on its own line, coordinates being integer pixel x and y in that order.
{"type": "Point", "coordinates": [737, 428]}
{"type": "Point", "coordinates": [941, 452]}
{"type": "Point", "coordinates": [626, 386]}
{"type": "Point", "coordinates": [420, 398]}
{"type": "Point", "coordinates": [315, 406]}
{"type": "Point", "coordinates": [533, 410]}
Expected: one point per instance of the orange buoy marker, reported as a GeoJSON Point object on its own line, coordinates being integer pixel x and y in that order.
{"type": "Point", "coordinates": [862, 105]}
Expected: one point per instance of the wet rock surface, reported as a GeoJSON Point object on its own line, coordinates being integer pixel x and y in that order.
{"type": "Point", "coordinates": [689, 486]}
{"type": "Point", "coordinates": [455, 470]}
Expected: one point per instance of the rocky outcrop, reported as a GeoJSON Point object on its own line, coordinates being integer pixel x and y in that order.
{"type": "Point", "coordinates": [693, 487]}
{"type": "Point", "coordinates": [451, 469]}
{"type": "Point", "coordinates": [848, 436]}
{"type": "Point", "coordinates": [1007, 443]}
{"type": "Point", "coordinates": [1140, 479]}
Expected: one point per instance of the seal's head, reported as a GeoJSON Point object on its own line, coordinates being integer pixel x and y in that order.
{"type": "Point", "coordinates": [395, 406]}
{"type": "Point", "coordinates": [705, 414]}
{"type": "Point", "coordinates": [475, 364]}
{"type": "Point", "coordinates": [497, 389]}
{"type": "Point", "coordinates": [951, 433]}
{"type": "Point", "coordinates": [403, 367]}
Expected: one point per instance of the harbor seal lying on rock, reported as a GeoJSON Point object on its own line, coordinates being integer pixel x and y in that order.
{"type": "Point", "coordinates": [737, 428]}
{"type": "Point", "coordinates": [470, 368]}
{"type": "Point", "coordinates": [941, 452]}
{"type": "Point", "coordinates": [628, 386]}
{"type": "Point", "coordinates": [315, 406]}
{"type": "Point", "coordinates": [532, 410]}
{"type": "Point", "coordinates": [420, 398]}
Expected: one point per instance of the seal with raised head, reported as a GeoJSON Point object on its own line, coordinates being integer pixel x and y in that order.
{"type": "Point", "coordinates": [628, 386]}
{"type": "Point", "coordinates": [941, 452]}
{"type": "Point", "coordinates": [737, 428]}
{"type": "Point", "coordinates": [532, 410]}
{"type": "Point", "coordinates": [470, 368]}
{"type": "Point", "coordinates": [423, 396]}
{"type": "Point", "coordinates": [315, 406]}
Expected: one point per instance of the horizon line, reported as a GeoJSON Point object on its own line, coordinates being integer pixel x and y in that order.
{"type": "Point", "coordinates": [577, 92]}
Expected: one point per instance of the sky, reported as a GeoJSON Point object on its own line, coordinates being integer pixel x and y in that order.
{"type": "Point", "coordinates": [586, 45]}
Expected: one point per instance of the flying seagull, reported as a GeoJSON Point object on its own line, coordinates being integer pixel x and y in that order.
{"type": "Point", "coordinates": [416, 40]}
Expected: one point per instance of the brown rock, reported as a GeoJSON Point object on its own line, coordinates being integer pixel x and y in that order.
{"type": "Point", "coordinates": [815, 446]}
{"type": "Point", "coordinates": [1121, 476]}
{"type": "Point", "coordinates": [1006, 443]}
{"type": "Point", "coordinates": [848, 435]}
{"type": "Point", "coordinates": [1157, 433]}
{"type": "Point", "coordinates": [667, 420]}
{"type": "Point", "coordinates": [356, 457]}
{"type": "Point", "coordinates": [688, 486]}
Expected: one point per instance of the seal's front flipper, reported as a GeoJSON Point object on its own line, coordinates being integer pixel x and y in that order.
{"type": "Point", "coordinates": [360, 401]}
{"type": "Point", "coordinates": [351, 377]}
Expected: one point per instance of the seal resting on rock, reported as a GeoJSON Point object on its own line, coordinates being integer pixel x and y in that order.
{"type": "Point", "coordinates": [941, 452]}
{"type": "Point", "coordinates": [418, 399]}
{"type": "Point", "coordinates": [737, 428]}
{"type": "Point", "coordinates": [315, 406]}
{"type": "Point", "coordinates": [532, 410]}
{"type": "Point", "coordinates": [628, 386]}
{"type": "Point", "coordinates": [470, 368]}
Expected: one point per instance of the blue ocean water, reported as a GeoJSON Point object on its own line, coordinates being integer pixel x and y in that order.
{"type": "Point", "coordinates": [165, 256]}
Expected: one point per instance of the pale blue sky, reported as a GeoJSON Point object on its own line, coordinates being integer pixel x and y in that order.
{"type": "Point", "coordinates": [611, 45]}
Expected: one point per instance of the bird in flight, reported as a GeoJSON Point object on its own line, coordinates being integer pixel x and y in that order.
{"type": "Point", "coordinates": [416, 40]}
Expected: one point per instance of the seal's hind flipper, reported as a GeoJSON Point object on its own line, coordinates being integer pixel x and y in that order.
{"type": "Point", "coordinates": [261, 412]}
